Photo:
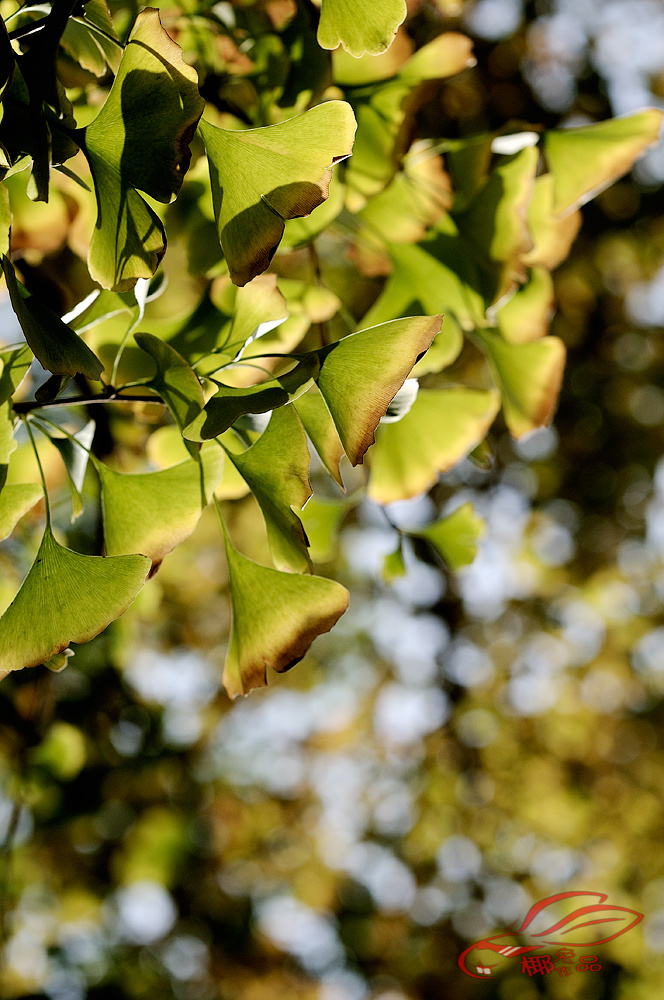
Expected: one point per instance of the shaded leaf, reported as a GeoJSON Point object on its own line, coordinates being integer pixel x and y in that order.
{"type": "Point", "coordinates": [260, 177]}
{"type": "Point", "coordinates": [360, 25]}
{"type": "Point", "coordinates": [441, 428]}
{"type": "Point", "coordinates": [587, 159]}
{"type": "Point", "coordinates": [229, 402]}
{"type": "Point", "coordinates": [152, 512]}
{"type": "Point", "coordinates": [319, 425]}
{"type": "Point", "coordinates": [175, 381]}
{"type": "Point", "coordinates": [53, 343]}
{"type": "Point", "coordinates": [529, 377]}
{"type": "Point", "coordinates": [361, 374]}
{"type": "Point", "coordinates": [7, 441]}
{"type": "Point", "coordinates": [15, 501]}
{"type": "Point", "coordinates": [276, 467]}
{"type": "Point", "coordinates": [75, 451]}
{"type": "Point", "coordinates": [91, 40]}
{"type": "Point", "coordinates": [16, 363]}
{"type": "Point", "coordinates": [139, 141]}
{"type": "Point", "coordinates": [276, 617]}
{"type": "Point", "coordinates": [77, 597]}
{"type": "Point", "coordinates": [455, 537]}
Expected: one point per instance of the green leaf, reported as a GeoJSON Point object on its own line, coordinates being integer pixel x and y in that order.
{"type": "Point", "coordinates": [442, 427]}
{"type": "Point", "coordinates": [276, 467]}
{"type": "Point", "coordinates": [66, 597]}
{"type": "Point", "coordinates": [360, 25]}
{"type": "Point", "coordinates": [587, 159]}
{"type": "Point", "coordinates": [444, 350]}
{"type": "Point", "coordinates": [15, 501]}
{"type": "Point", "coordinates": [5, 219]}
{"type": "Point", "coordinates": [276, 617]}
{"type": "Point", "coordinates": [322, 519]}
{"type": "Point", "coordinates": [75, 452]}
{"type": "Point", "coordinates": [319, 425]}
{"type": "Point", "coordinates": [455, 537]}
{"type": "Point", "coordinates": [16, 361]}
{"type": "Point", "coordinates": [53, 343]}
{"type": "Point", "coordinates": [230, 402]}
{"type": "Point", "coordinates": [7, 440]}
{"type": "Point", "coordinates": [175, 381]}
{"type": "Point", "coordinates": [527, 315]}
{"type": "Point", "coordinates": [152, 512]}
{"type": "Point", "coordinates": [394, 565]}
{"type": "Point", "coordinates": [91, 39]}
{"type": "Point", "coordinates": [529, 377]}
{"type": "Point", "coordinates": [361, 374]}
{"type": "Point", "coordinates": [552, 235]}
{"type": "Point", "coordinates": [139, 141]}
{"type": "Point", "coordinates": [259, 308]}
{"type": "Point", "coordinates": [260, 177]}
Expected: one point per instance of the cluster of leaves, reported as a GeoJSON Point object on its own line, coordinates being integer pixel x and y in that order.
{"type": "Point", "coordinates": [467, 227]}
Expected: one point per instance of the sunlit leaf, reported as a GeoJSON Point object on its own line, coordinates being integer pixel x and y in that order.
{"type": "Point", "coordinates": [360, 25]}
{"type": "Point", "coordinates": [7, 440]}
{"type": "Point", "coordinates": [77, 596]}
{"type": "Point", "coordinates": [445, 349]}
{"type": "Point", "coordinates": [175, 381]}
{"type": "Point", "coordinates": [322, 520]}
{"type": "Point", "coordinates": [152, 512]}
{"type": "Point", "coordinates": [230, 402]}
{"type": "Point", "coordinates": [440, 430]}
{"type": "Point", "coordinates": [362, 373]}
{"type": "Point", "coordinates": [75, 451]}
{"type": "Point", "coordinates": [260, 177]}
{"type": "Point", "coordinates": [5, 219]}
{"type": "Point", "coordinates": [53, 343]}
{"type": "Point", "coordinates": [529, 377]}
{"type": "Point", "coordinates": [319, 425]}
{"type": "Point", "coordinates": [139, 141]}
{"type": "Point", "coordinates": [276, 467]}
{"type": "Point", "coordinates": [455, 537]}
{"type": "Point", "coordinates": [16, 499]}
{"type": "Point", "coordinates": [91, 40]}
{"type": "Point", "coordinates": [276, 617]}
{"type": "Point", "coordinates": [526, 316]}
{"type": "Point", "coordinates": [259, 308]}
{"type": "Point", "coordinates": [16, 361]}
{"type": "Point", "coordinates": [552, 235]}
{"type": "Point", "coordinates": [585, 160]}
{"type": "Point", "coordinates": [394, 565]}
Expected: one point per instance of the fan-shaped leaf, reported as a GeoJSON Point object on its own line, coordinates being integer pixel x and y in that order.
{"type": "Point", "coordinates": [15, 501]}
{"type": "Point", "coordinates": [319, 425]}
{"type": "Point", "coordinates": [360, 25]}
{"type": "Point", "coordinates": [66, 597]}
{"type": "Point", "coordinates": [16, 361]}
{"type": "Point", "coordinates": [175, 381]}
{"type": "Point", "coordinates": [455, 537]}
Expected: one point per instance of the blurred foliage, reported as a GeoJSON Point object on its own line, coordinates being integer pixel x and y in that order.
{"type": "Point", "coordinates": [460, 746]}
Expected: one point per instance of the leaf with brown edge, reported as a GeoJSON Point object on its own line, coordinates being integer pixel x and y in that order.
{"type": "Point", "coordinates": [587, 159]}
{"type": "Point", "coordinates": [361, 374]}
{"type": "Point", "coordinates": [66, 597]}
{"type": "Point", "coordinates": [263, 176]}
{"type": "Point", "coordinates": [552, 235]}
{"type": "Point", "coordinates": [275, 618]}
{"type": "Point", "coordinates": [440, 429]}
{"type": "Point", "coordinates": [529, 377]}
{"type": "Point", "coordinates": [527, 315]}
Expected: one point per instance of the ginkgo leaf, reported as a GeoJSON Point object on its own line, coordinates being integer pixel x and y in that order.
{"type": "Point", "coordinates": [360, 25]}
{"type": "Point", "coordinates": [53, 343]}
{"type": "Point", "coordinates": [526, 316]}
{"type": "Point", "coordinates": [262, 176]}
{"type": "Point", "coordinates": [230, 402]}
{"type": "Point", "coordinates": [16, 500]}
{"type": "Point", "coordinates": [529, 377]}
{"type": "Point", "coordinates": [442, 427]}
{"type": "Point", "coordinates": [76, 595]}
{"type": "Point", "coordinates": [587, 159]}
{"type": "Point", "coordinates": [91, 40]}
{"type": "Point", "coordinates": [175, 381]}
{"type": "Point", "coordinates": [5, 219]}
{"type": "Point", "coordinates": [75, 452]}
{"type": "Point", "coordinates": [152, 512]}
{"type": "Point", "coordinates": [7, 440]}
{"type": "Point", "coordinates": [361, 374]}
{"type": "Point", "coordinates": [276, 617]}
{"type": "Point", "coordinates": [276, 467]}
{"type": "Point", "coordinates": [552, 235]}
{"type": "Point", "coordinates": [322, 519]}
{"type": "Point", "coordinates": [394, 566]}
{"type": "Point", "coordinates": [259, 308]}
{"type": "Point", "coordinates": [319, 425]}
{"type": "Point", "coordinates": [445, 349]}
{"type": "Point", "coordinates": [455, 537]}
{"type": "Point", "coordinates": [139, 141]}
{"type": "Point", "coordinates": [16, 361]}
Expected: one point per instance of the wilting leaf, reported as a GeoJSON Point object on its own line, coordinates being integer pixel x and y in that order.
{"type": "Point", "coordinates": [175, 381]}
{"type": "Point", "coordinates": [152, 512]}
{"type": "Point", "coordinates": [15, 501]}
{"type": "Point", "coordinates": [16, 361]}
{"type": "Point", "coordinates": [360, 25]}
{"type": "Point", "coordinates": [361, 374]}
{"type": "Point", "coordinates": [587, 159]}
{"type": "Point", "coordinates": [529, 377]}
{"type": "Point", "coordinates": [455, 537]}
{"type": "Point", "coordinates": [276, 467]}
{"type": "Point", "coordinates": [53, 343]}
{"type": "Point", "coordinates": [440, 430]}
{"type": "Point", "coordinates": [229, 402]}
{"type": "Point", "coordinates": [276, 617]}
{"type": "Point", "coordinates": [527, 314]}
{"type": "Point", "coordinates": [76, 597]}
{"type": "Point", "coordinates": [260, 177]}
{"type": "Point", "coordinates": [139, 141]}
{"type": "Point", "coordinates": [319, 425]}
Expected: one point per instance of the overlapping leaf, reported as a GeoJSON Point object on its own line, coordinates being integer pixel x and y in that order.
{"type": "Point", "coordinates": [175, 381]}
{"type": "Point", "coordinates": [360, 25]}
{"type": "Point", "coordinates": [16, 361]}
{"type": "Point", "coordinates": [319, 425]}
{"type": "Point", "coordinates": [139, 141]}
{"type": "Point", "coordinates": [260, 177]}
